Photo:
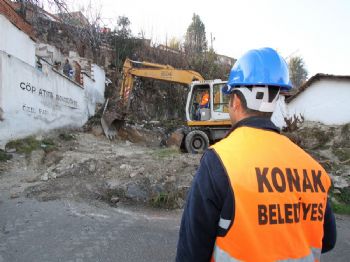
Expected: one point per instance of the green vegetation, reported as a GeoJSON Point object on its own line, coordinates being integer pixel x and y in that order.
{"type": "Point", "coordinates": [26, 145]}
{"type": "Point", "coordinates": [342, 154]}
{"type": "Point", "coordinates": [29, 144]}
{"type": "Point", "coordinates": [297, 71]}
{"type": "Point", "coordinates": [4, 156]}
{"type": "Point", "coordinates": [66, 137]}
{"type": "Point", "coordinates": [166, 152]}
{"type": "Point", "coordinates": [164, 200]}
{"type": "Point", "coordinates": [341, 202]}
{"type": "Point", "coordinates": [340, 208]}
{"type": "Point", "coordinates": [48, 145]}
{"type": "Point", "coordinates": [160, 200]}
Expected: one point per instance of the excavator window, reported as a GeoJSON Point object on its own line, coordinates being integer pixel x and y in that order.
{"type": "Point", "coordinates": [220, 102]}
{"type": "Point", "coordinates": [200, 94]}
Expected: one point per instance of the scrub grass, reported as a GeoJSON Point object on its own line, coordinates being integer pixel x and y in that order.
{"type": "Point", "coordinates": [30, 144]}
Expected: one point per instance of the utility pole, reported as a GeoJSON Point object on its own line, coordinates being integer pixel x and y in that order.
{"type": "Point", "coordinates": [212, 39]}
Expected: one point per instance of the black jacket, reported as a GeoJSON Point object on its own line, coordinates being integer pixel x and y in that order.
{"type": "Point", "coordinates": [211, 197]}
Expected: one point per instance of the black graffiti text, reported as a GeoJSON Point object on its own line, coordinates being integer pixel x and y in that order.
{"type": "Point", "coordinates": [45, 93]}
{"type": "Point", "coordinates": [66, 100]}
{"type": "Point", "coordinates": [28, 109]}
{"type": "Point", "coordinates": [43, 111]}
{"type": "Point", "coordinates": [27, 87]}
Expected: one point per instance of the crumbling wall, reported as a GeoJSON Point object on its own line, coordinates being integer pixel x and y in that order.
{"type": "Point", "coordinates": [156, 100]}
{"type": "Point", "coordinates": [34, 100]}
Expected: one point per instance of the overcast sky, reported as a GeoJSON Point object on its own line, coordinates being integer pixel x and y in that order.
{"type": "Point", "coordinates": [317, 30]}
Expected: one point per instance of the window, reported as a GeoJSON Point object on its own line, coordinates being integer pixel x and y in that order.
{"type": "Point", "coordinates": [220, 101]}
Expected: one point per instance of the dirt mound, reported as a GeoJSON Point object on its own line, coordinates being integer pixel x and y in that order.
{"type": "Point", "coordinates": [90, 168]}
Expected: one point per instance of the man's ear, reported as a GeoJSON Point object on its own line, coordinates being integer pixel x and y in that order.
{"type": "Point", "coordinates": [232, 97]}
{"type": "Point", "coordinates": [238, 103]}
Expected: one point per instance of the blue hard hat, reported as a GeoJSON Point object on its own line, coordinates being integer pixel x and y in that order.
{"type": "Point", "coordinates": [259, 67]}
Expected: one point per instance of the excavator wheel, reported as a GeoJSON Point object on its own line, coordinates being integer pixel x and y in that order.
{"type": "Point", "coordinates": [196, 142]}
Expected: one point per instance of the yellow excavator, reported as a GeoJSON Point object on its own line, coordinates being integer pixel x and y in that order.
{"type": "Point", "coordinates": [206, 123]}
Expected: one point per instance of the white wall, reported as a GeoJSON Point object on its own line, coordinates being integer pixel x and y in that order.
{"type": "Point", "coordinates": [325, 101]}
{"type": "Point", "coordinates": [15, 42]}
{"type": "Point", "coordinates": [34, 101]}
{"type": "Point", "coordinates": [91, 93]}
{"type": "Point", "coordinates": [100, 79]}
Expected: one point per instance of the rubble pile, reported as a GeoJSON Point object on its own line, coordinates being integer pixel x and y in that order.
{"type": "Point", "coordinates": [90, 168]}
{"type": "Point", "coordinates": [330, 145]}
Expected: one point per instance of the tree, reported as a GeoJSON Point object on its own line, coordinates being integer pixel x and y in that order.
{"type": "Point", "coordinates": [174, 43]}
{"type": "Point", "coordinates": [195, 40]}
{"type": "Point", "coordinates": [124, 30]}
{"type": "Point", "coordinates": [297, 72]}
{"type": "Point", "coordinates": [123, 41]}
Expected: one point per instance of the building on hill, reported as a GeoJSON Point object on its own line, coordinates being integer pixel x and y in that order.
{"type": "Point", "coordinates": [323, 98]}
{"type": "Point", "coordinates": [74, 18]}
{"type": "Point", "coordinates": [223, 59]}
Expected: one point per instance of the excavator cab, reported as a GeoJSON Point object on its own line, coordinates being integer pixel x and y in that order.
{"type": "Point", "coordinates": [200, 103]}
{"type": "Point", "coordinates": [207, 123]}
{"type": "Point", "coordinates": [216, 107]}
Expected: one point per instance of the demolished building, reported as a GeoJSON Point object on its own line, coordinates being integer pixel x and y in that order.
{"type": "Point", "coordinates": [35, 95]}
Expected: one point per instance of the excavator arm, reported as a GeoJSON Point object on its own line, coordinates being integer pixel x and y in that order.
{"type": "Point", "coordinates": [114, 117]}
{"type": "Point", "coordinates": [149, 70]}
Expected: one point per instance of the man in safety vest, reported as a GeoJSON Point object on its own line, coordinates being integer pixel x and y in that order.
{"type": "Point", "coordinates": [256, 195]}
{"type": "Point", "coordinates": [205, 100]}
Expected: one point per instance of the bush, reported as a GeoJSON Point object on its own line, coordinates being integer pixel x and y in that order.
{"type": "Point", "coordinates": [4, 156]}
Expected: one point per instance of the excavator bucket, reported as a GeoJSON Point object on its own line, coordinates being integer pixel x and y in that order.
{"type": "Point", "coordinates": [111, 121]}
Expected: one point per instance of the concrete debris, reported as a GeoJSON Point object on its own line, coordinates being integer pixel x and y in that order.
{"type": "Point", "coordinates": [11, 150]}
{"type": "Point", "coordinates": [340, 182]}
{"type": "Point", "coordinates": [14, 195]}
{"type": "Point", "coordinates": [44, 177]}
{"type": "Point", "coordinates": [175, 139]}
{"type": "Point", "coordinates": [137, 192]}
{"type": "Point", "coordinates": [97, 130]}
{"type": "Point", "coordinates": [125, 166]}
{"type": "Point", "coordinates": [31, 179]}
{"type": "Point", "coordinates": [133, 174]}
{"type": "Point", "coordinates": [115, 199]}
{"type": "Point", "coordinates": [92, 167]}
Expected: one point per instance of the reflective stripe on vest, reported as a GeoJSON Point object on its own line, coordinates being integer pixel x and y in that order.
{"type": "Point", "coordinates": [224, 223]}
{"type": "Point", "coordinates": [280, 197]}
{"type": "Point", "coordinates": [221, 256]}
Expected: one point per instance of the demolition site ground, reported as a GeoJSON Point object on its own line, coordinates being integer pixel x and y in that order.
{"type": "Point", "coordinates": [97, 199]}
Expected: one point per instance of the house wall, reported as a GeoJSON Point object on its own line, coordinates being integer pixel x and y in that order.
{"type": "Point", "coordinates": [15, 42]}
{"type": "Point", "coordinates": [100, 79]}
{"type": "Point", "coordinates": [89, 85]}
{"type": "Point", "coordinates": [94, 88]}
{"type": "Point", "coordinates": [32, 101]}
{"type": "Point", "coordinates": [325, 101]}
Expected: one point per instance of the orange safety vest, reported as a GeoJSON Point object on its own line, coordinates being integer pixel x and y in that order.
{"type": "Point", "coordinates": [280, 195]}
{"type": "Point", "coordinates": [205, 99]}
